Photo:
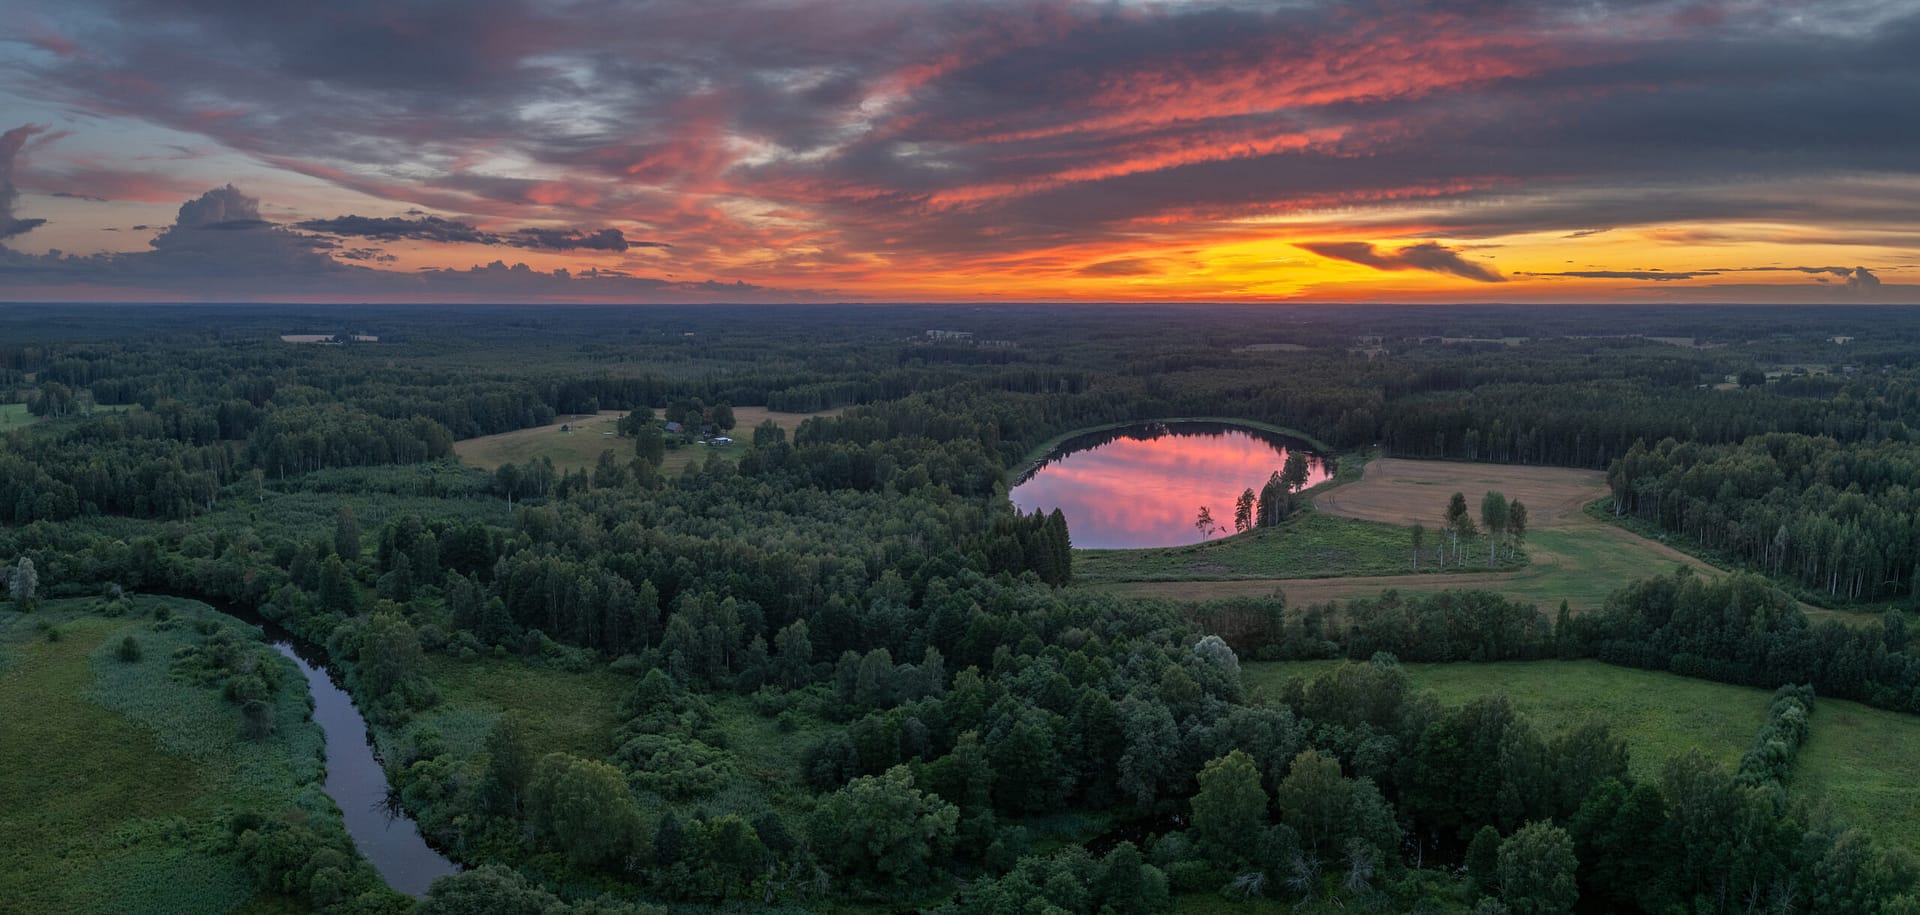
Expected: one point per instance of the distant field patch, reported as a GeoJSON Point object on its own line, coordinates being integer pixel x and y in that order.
{"type": "Point", "coordinates": [587, 436]}
{"type": "Point", "coordinates": [1859, 758]}
{"type": "Point", "coordinates": [327, 338]}
{"type": "Point", "coordinates": [744, 419]}
{"type": "Point", "coordinates": [1271, 348]}
{"type": "Point", "coordinates": [14, 415]}
{"type": "Point", "coordinates": [575, 449]}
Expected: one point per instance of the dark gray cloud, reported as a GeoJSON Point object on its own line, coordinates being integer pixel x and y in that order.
{"type": "Point", "coordinates": [1656, 276]}
{"type": "Point", "coordinates": [219, 248]}
{"type": "Point", "coordinates": [1429, 256]}
{"type": "Point", "coordinates": [437, 229]}
{"type": "Point", "coordinates": [11, 143]}
{"type": "Point", "coordinates": [1856, 279]}
{"type": "Point", "coordinates": [1126, 266]}
{"type": "Point", "coordinates": [940, 132]}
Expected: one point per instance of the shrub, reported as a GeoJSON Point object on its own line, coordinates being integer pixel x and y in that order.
{"type": "Point", "coordinates": [129, 650]}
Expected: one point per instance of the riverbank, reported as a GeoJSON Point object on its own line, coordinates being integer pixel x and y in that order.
{"type": "Point", "coordinates": [125, 788]}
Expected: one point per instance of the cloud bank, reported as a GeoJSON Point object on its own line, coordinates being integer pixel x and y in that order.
{"type": "Point", "coordinates": [795, 142]}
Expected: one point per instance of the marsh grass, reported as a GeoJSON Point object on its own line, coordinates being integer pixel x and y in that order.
{"type": "Point", "coordinates": [117, 787]}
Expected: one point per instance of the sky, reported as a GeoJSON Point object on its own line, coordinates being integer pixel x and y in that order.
{"type": "Point", "coordinates": [1590, 151]}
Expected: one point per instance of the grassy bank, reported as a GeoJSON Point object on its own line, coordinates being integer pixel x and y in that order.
{"type": "Point", "coordinates": [1308, 545]}
{"type": "Point", "coordinates": [118, 779]}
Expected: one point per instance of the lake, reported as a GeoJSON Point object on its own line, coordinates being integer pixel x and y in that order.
{"type": "Point", "coordinates": [1144, 485]}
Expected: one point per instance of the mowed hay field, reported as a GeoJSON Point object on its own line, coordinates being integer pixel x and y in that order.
{"type": "Point", "coordinates": [1573, 557]}
{"type": "Point", "coordinates": [588, 436]}
{"type": "Point", "coordinates": [1860, 759]}
{"type": "Point", "coordinates": [1403, 492]}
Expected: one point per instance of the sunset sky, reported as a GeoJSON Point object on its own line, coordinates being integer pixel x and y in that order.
{"type": "Point", "coordinates": [835, 150]}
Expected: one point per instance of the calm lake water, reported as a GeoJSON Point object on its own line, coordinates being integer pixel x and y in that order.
{"type": "Point", "coordinates": [1143, 486]}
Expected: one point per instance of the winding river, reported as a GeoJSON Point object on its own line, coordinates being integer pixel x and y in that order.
{"type": "Point", "coordinates": [381, 830]}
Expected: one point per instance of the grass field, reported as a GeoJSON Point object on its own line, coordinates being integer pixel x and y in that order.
{"type": "Point", "coordinates": [588, 436]}
{"type": "Point", "coordinates": [1403, 492]}
{"type": "Point", "coordinates": [1309, 545]}
{"type": "Point", "coordinates": [15, 415]}
{"type": "Point", "coordinates": [116, 779]}
{"type": "Point", "coordinates": [1573, 556]}
{"type": "Point", "coordinates": [1860, 759]}
{"type": "Point", "coordinates": [576, 449]}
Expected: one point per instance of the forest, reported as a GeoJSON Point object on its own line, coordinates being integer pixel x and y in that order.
{"type": "Point", "coordinates": [835, 669]}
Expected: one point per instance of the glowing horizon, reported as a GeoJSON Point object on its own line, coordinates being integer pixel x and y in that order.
{"type": "Point", "coordinates": [1026, 150]}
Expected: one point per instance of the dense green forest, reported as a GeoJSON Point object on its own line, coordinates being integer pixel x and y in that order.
{"type": "Point", "coordinates": [842, 672]}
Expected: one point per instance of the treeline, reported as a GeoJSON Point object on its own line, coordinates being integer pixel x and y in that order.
{"type": "Point", "coordinates": [1837, 518]}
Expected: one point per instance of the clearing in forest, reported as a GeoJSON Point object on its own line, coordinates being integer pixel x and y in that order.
{"type": "Point", "coordinates": [1858, 757]}
{"type": "Point", "coordinates": [1572, 556]}
{"type": "Point", "coordinates": [587, 436]}
{"type": "Point", "coordinates": [1404, 492]}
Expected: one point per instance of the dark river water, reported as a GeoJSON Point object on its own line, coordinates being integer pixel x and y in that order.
{"type": "Point", "coordinates": [1144, 485]}
{"type": "Point", "coordinates": [358, 785]}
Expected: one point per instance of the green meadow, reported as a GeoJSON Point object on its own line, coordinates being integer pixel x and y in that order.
{"type": "Point", "coordinates": [1308, 545]}
{"type": "Point", "coordinates": [1859, 759]}
{"type": "Point", "coordinates": [118, 779]}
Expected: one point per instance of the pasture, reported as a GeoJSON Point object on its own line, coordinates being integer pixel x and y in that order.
{"type": "Point", "coordinates": [580, 447]}
{"type": "Point", "coordinates": [1572, 556]}
{"type": "Point", "coordinates": [1309, 545]}
{"type": "Point", "coordinates": [1404, 492]}
{"type": "Point", "coordinates": [15, 415]}
{"type": "Point", "coordinates": [1859, 759]}
{"type": "Point", "coordinates": [576, 449]}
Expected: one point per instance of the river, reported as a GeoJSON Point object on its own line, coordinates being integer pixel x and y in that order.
{"type": "Point", "coordinates": [382, 831]}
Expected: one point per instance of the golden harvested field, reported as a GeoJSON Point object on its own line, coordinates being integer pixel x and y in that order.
{"type": "Point", "coordinates": [1405, 492]}
{"type": "Point", "coordinates": [579, 448]}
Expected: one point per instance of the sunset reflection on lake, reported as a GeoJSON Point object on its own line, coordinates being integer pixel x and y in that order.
{"type": "Point", "coordinates": [1143, 486]}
